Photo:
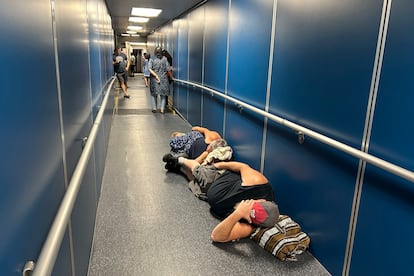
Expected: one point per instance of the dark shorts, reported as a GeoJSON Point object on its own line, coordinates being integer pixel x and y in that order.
{"type": "Point", "coordinates": [197, 148]}
{"type": "Point", "coordinates": [122, 77]}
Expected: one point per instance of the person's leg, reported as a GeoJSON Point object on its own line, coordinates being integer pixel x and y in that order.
{"type": "Point", "coordinates": [175, 163]}
{"type": "Point", "coordinates": [162, 104]}
{"type": "Point", "coordinates": [188, 163]}
{"type": "Point", "coordinates": [122, 80]}
{"type": "Point", "coordinates": [154, 102]}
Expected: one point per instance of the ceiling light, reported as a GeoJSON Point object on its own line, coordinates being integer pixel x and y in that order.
{"type": "Point", "coordinates": [131, 32]}
{"type": "Point", "coordinates": [145, 12]}
{"type": "Point", "coordinates": [125, 35]}
{"type": "Point", "coordinates": [139, 19]}
{"type": "Point", "coordinates": [134, 28]}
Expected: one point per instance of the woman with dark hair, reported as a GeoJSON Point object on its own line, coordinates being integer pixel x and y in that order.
{"type": "Point", "coordinates": [159, 84]}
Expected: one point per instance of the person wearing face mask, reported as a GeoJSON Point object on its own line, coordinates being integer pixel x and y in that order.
{"type": "Point", "coordinates": [159, 84]}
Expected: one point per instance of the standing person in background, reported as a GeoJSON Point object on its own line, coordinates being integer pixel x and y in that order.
{"type": "Point", "coordinates": [132, 64]}
{"type": "Point", "coordinates": [121, 66]}
{"type": "Point", "coordinates": [146, 70]}
{"type": "Point", "coordinates": [170, 72]}
{"type": "Point", "coordinates": [159, 84]}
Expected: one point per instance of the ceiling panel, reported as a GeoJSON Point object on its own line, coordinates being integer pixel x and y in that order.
{"type": "Point", "coordinates": [120, 11]}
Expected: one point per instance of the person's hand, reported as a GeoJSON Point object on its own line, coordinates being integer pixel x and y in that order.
{"type": "Point", "coordinates": [244, 208]}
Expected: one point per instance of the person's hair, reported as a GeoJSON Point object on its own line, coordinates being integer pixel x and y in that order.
{"type": "Point", "coordinates": [218, 143]}
{"type": "Point", "coordinates": [158, 50]}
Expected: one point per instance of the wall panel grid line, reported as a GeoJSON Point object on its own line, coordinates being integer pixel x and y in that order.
{"type": "Point", "coordinates": [62, 126]}
{"type": "Point", "coordinates": [269, 83]}
{"type": "Point", "coordinates": [376, 72]}
{"type": "Point", "coordinates": [226, 80]}
{"type": "Point", "coordinates": [385, 165]}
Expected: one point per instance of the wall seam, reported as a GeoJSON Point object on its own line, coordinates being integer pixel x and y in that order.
{"type": "Point", "coordinates": [269, 84]}
{"type": "Point", "coordinates": [227, 67]}
{"type": "Point", "coordinates": [62, 132]}
{"type": "Point", "coordinates": [202, 67]}
{"type": "Point", "coordinates": [367, 133]}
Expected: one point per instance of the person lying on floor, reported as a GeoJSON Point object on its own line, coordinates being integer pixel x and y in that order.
{"type": "Point", "coordinates": [246, 217]}
{"type": "Point", "coordinates": [243, 199]}
{"type": "Point", "coordinates": [237, 194]}
{"type": "Point", "coordinates": [193, 144]}
{"type": "Point", "coordinates": [201, 177]}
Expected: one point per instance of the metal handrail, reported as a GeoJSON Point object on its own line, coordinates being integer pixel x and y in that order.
{"type": "Point", "coordinates": [385, 165]}
{"type": "Point", "coordinates": [53, 241]}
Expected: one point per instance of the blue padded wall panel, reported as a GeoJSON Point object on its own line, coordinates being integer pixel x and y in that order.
{"type": "Point", "coordinates": [249, 48]}
{"type": "Point", "coordinates": [101, 41]}
{"type": "Point", "coordinates": [387, 206]}
{"type": "Point", "coordinates": [31, 174]}
{"type": "Point", "coordinates": [244, 134]}
{"type": "Point", "coordinates": [215, 42]}
{"type": "Point", "coordinates": [215, 49]}
{"type": "Point", "coordinates": [321, 77]}
{"type": "Point", "coordinates": [195, 62]}
{"type": "Point", "coordinates": [247, 74]}
{"type": "Point", "coordinates": [95, 40]}
{"type": "Point", "coordinates": [74, 67]}
{"type": "Point", "coordinates": [182, 66]}
{"type": "Point", "coordinates": [323, 63]}
{"type": "Point", "coordinates": [314, 185]}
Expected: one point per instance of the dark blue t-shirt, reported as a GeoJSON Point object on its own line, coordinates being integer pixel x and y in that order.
{"type": "Point", "coordinates": [197, 148]}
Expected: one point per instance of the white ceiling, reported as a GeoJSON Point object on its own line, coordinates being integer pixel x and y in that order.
{"type": "Point", "coordinates": [120, 11]}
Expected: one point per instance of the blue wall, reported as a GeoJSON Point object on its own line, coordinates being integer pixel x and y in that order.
{"type": "Point", "coordinates": [49, 101]}
{"type": "Point", "coordinates": [321, 56]}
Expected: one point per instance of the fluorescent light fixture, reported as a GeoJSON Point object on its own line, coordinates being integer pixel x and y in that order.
{"type": "Point", "coordinates": [145, 12]}
{"type": "Point", "coordinates": [125, 35]}
{"type": "Point", "coordinates": [131, 32]}
{"type": "Point", "coordinates": [135, 35]}
{"type": "Point", "coordinates": [138, 43]}
{"type": "Point", "coordinates": [134, 28]}
{"type": "Point", "coordinates": [139, 19]}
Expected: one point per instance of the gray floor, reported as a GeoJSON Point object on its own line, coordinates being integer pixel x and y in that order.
{"type": "Point", "coordinates": [149, 223]}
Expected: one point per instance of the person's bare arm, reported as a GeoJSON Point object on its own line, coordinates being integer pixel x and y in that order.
{"type": "Point", "coordinates": [154, 74]}
{"type": "Point", "coordinates": [202, 156]}
{"type": "Point", "coordinates": [199, 129]}
{"type": "Point", "coordinates": [209, 135]}
{"type": "Point", "coordinates": [230, 228]}
{"type": "Point", "coordinates": [249, 175]}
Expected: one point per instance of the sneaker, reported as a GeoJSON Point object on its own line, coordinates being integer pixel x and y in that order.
{"type": "Point", "coordinates": [167, 157]}
{"type": "Point", "coordinates": [173, 167]}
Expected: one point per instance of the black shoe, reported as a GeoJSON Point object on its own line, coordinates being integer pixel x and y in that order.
{"type": "Point", "coordinates": [154, 111]}
{"type": "Point", "coordinates": [172, 162]}
{"type": "Point", "coordinates": [127, 96]}
{"type": "Point", "coordinates": [172, 167]}
{"type": "Point", "coordinates": [167, 157]}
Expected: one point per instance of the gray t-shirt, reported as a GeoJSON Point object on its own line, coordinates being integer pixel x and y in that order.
{"type": "Point", "coordinates": [120, 62]}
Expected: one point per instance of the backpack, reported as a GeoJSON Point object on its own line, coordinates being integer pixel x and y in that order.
{"type": "Point", "coordinates": [285, 240]}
